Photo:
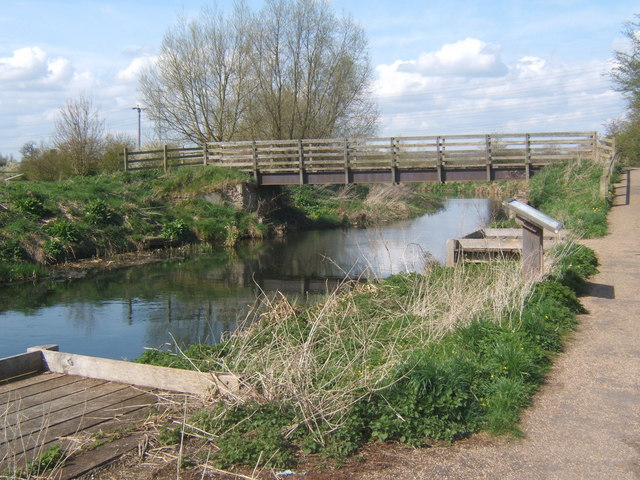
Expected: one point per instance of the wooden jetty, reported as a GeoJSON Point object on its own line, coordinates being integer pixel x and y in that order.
{"type": "Point", "coordinates": [53, 398]}
{"type": "Point", "coordinates": [493, 244]}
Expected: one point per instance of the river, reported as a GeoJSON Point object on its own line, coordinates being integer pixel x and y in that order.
{"type": "Point", "coordinates": [116, 314]}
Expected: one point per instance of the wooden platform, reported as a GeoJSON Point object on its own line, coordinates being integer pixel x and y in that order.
{"type": "Point", "coordinates": [50, 408]}
{"type": "Point", "coordinates": [86, 405]}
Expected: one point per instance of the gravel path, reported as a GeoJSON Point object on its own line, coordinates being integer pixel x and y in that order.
{"type": "Point", "coordinates": [585, 421]}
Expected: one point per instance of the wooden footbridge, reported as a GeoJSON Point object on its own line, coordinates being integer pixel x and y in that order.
{"type": "Point", "coordinates": [385, 160]}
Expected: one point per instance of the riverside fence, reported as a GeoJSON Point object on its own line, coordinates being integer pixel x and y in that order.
{"type": "Point", "coordinates": [385, 160]}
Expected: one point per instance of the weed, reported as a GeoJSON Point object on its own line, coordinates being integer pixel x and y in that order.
{"type": "Point", "coordinates": [64, 231]}
{"type": "Point", "coordinates": [99, 213]}
{"type": "Point", "coordinates": [175, 230]}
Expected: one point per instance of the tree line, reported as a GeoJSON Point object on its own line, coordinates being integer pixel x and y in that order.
{"type": "Point", "coordinates": [626, 79]}
{"type": "Point", "coordinates": [293, 69]}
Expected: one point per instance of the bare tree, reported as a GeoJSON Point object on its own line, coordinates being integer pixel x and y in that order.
{"type": "Point", "coordinates": [292, 70]}
{"type": "Point", "coordinates": [79, 134]}
{"type": "Point", "coordinates": [313, 73]}
{"type": "Point", "coordinates": [199, 84]}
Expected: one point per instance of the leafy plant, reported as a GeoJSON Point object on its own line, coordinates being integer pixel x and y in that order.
{"type": "Point", "coordinates": [63, 230]}
{"type": "Point", "coordinates": [99, 213]}
{"type": "Point", "coordinates": [31, 204]}
{"type": "Point", "coordinates": [175, 230]}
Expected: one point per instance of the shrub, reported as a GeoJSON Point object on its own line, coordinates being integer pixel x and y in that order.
{"type": "Point", "coordinates": [64, 230]}
{"type": "Point", "coordinates": [99, 213]}
{"type": "Point", "coordinates": [31, 204]}
{"type": "Point", "coordinates": [175, 230]}
{"type": "Point", "coordinates": [249, 434]}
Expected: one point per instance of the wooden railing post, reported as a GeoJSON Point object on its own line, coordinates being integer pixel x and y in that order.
{"type": "Point", "coordinates": [487, 154]}
{"type": "Point", "coordinates": [527, 156]}
{"type": "Point", "coordinates": [301, 162]}
{"type": "Point", "coordinates": [394, 160]}
{"type": "Point", "coordinates": [254, 153]}
{"type": "Point", "coordinates": [347, 180]}
{"type": "Point", "coordinates": [595, 154]}
{"type": "Point", "coordinates": [440, 158]}
{"type": "Point", "coordinates": [126, 159]}
{"type": "Point", "coordinates": [204, 154]}
{"type": "Point", "coordinates": [165, 160]}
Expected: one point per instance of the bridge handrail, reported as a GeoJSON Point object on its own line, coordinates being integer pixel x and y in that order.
{"type": "Point", "coordinates": [452, 151]}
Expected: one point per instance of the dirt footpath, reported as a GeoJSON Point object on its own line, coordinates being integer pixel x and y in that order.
{"type": "Point", "coordinates": [585, 421]}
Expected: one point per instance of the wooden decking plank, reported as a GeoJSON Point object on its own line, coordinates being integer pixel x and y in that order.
{"type": "Point", "coordinates": [36, 395]}
{"type": "Point", "coordinates": [60, 410]}
{"type": "Point", "coordinates": [132, 409]}
{"type": "Point", "coordinates": [27, 381]}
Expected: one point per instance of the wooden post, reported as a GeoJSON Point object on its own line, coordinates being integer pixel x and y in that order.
{"type": "Point", "coordinates": [346, 162]}
{"type": "Point", "coordinates": [532, 249]}
{"type": "Point", "coordinates": [527, 156]}
{"type": "Point", "coordinates": [596, 153]}
{"type": "Point", "coordinates": [487, 153]}
{"type": "Point", "coordinates": [453, 247]}
{"type": "Point", "coordinates": [394, 160]}
{"type": "Point", "coordinates": [301, 162]}
{"type": "Point", "coordinates": [440, 149]}
{"type": "Point", "coordinates": [254, 152]}
{"type": "Point", "coordinates": [126, 159]}
{"type": "Point", "coordinates": [165, 160]}
{"type": "Point", "coordinates": [204, 154]}
{"type": "Point", "coordinates": [604, 186]}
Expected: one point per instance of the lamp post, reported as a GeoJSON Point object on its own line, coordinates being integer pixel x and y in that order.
{"type": "Point", "coordinates": [139, 109]}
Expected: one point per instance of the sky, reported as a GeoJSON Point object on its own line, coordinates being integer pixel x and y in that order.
{"type": "Point", "coordinates": [441, 68]}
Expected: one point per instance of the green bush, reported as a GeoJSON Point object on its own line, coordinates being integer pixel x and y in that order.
{"type": "Point", "coordinates": [31, 204]}
{"type": "Point", "coordinates": [250, 434]}
{"type": "Point", "coordinates": [64, 231]}
{"type": "Point", "coordinates": [176, 231]}
{"type": "Point", "coordinates": [98, 212]}
{"type": "Point", "coordinates": [575, 266]}
{"type": "Point", "coordinates": [54, 250]}
{"type": "Point", "coordinates": [10, 250]}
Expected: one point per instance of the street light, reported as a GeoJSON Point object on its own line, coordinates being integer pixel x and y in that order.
{"type": "Point", "coordinates": [139, 109]}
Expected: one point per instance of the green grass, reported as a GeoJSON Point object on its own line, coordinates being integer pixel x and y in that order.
{"type": "Point", "coordinates": [570, 193]}
{"type": "Point", "coordinates": [411, 358]}
{"type": "Point", "coordinates": [102, 215]}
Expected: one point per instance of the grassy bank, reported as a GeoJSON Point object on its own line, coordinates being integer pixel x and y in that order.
{"type": "Point", "coordinates": [415, 358]}
{"type": "Point", "coordinates": [48, 223]}
{"type": "Point", "coordinates": [44, 223]}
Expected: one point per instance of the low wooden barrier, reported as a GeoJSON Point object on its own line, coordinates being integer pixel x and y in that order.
{"type": "Point", "coordinates": [493, 244]}
{"type": "Point", "coordinates": [385, 160]}
{"type": "Point", "coordinates": [48, 358]}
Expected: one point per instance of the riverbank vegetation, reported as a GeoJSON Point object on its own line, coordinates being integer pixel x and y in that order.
{"type": "Point", "coordinates": [414, 358]}
{"type": "Point", "coordinates": [46, 223]}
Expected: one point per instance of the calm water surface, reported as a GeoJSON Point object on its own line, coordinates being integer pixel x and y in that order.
{"type": "Point", "coordinates": [117, 314]}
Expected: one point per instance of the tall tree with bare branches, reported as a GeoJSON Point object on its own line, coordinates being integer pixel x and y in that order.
{"type": "Point", "coordinates": [79, 134]}
{"type": "Point", "coordinates": [292, 70]}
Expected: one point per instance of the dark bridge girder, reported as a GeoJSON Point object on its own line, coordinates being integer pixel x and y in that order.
{"type": "Point", "coordinates": [395, 175]}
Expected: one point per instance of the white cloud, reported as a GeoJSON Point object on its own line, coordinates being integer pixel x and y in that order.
{"type": "Point", "coordinates": [467, 58]}
{"type": "Point", "coordinates": [532, 94]}
{"type": "Point", "coordinates": [132, 71]}
{"type": "Point", "coordinates": [27, 63]}
{"type": "Point", "coordinates": [32, 67]}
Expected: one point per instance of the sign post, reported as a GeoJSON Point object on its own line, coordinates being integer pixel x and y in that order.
{"type": "Point", "coordinates": [533, 223]}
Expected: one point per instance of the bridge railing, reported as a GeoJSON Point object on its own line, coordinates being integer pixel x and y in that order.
{"type": "Point", "coordinates": [439, 153]}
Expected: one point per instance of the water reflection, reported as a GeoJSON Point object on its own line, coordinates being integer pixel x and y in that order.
{"type": "Point", "coordinates": [116, 314]}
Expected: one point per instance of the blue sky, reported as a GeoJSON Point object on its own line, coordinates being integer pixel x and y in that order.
{"type": "Point", "coordinates": [440, 67]}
